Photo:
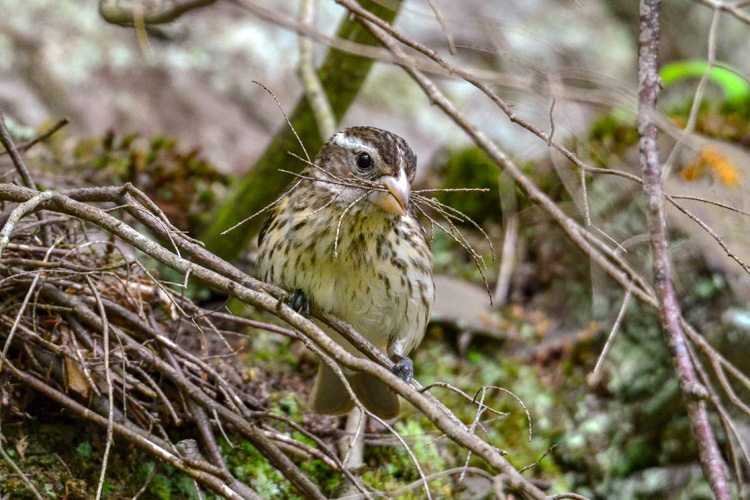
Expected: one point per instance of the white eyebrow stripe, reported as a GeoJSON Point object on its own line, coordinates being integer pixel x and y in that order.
{"type": "Point", "coordinates": [352, 143]}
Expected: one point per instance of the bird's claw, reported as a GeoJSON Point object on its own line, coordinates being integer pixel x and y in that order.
{"type": "Point", "coordinates": [404, 369]}
{"type": "Point", "coordinates": [299, 303]}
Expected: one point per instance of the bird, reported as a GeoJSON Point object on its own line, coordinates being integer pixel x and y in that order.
{"type": "Point", "coordinates": [345, 238]}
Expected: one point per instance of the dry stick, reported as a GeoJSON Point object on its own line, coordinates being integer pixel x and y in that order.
{"type": "Point", "coordinates": [472, 427]}
{"type": "Point", "coordinates": [436, 412]}
{"type": "Point", "coordinates": [448, 212]}
{"type": "Point", "coordinates": [84, 366]}
{"type": "Point", "coordinates": [649, 82]}
{"type": "Point", "coordinates": [325, 453]}
{"type": "Point", "coordinates": [18, 212]}
{"type": "Point", "coordinates": [140, 29]}
{"type": "Point", "coordinates": [7, 141]}
{"type": "Point", "coordinates": [41, 137]}
{"type": "Point", "coordinates": [341, 219]}
{"type": "Point", "coordinates": [408, 451]}
{"type": "Point", "coordinates": [437, 475]}
{"type": "Point", "coordinates": [17, 321]}
{"type": "Point", "coordinates": [146, 484]}
{"type": "Point", "coordinates": [18, 470]}
{"type": "Point", "coordinates": [483, 390]}
{"type": "Point", "coordinates": [301, 449]}
{"type": "Point", "coordinates": [286, 117]}
{"type": "Point", "coordinates": [451, 70]}
{"type": "Point", "coordinates": [279, 461]}
{"type": "Point", "coordinates": [137, 324]}
{"type": "Point", "coordinates": [142, 442]}
{"type": "Point", "coordinates": [31, 335]}
{"type": "Point", "coordinates": [726, 421]}
{"type": "Point", "coordinates": [459, 238]}
{"type": "Point", "coordinates": [352, 447]}
{"type": "Point", "coordinates": [462, 394]}
{"type": "Point", "coordinates": [337, 370]}
{"type": "Point", "coordinates": [531, 466]}
{"type": "Point", "coordinates": [613, 332]}
{"type": "Point", "coordinates": [711, 233]}
{"type": "Point", "coordinates": [443, 26]}
{"type": "Point", "coordinates": [108, 378]}
{"type": "Point", "coordinates": [498, 488]}
{"type": "Point", "coordinates": [568, 225]}
{"type": "Point", "coordinates": [444, 419]}
{"type": "Point", "coordinates": [160, 394]}
{"type": "Point", "coordinates": [623, 274]}
{"type": "Point", "coordinates": [250, 217]}
{"type": "Point", "coordinates": [255, 436]}
{"type": "Point", "coordinates": [727, 386]}
{"type": "Point", "coordinates": [32, 287]}
{"type": "Point", "coordinates": [201, 420]}
{"type": "Point", "coordinates": [205, 313]}
{"type": "Point", "coordinates": [719, 360]}
{"type": "Point", "coordinates": [732, 8]}
{"type": "Point", "coordinates": [710, 202]}
{"type": "Point", "coordinates": [507, 261]}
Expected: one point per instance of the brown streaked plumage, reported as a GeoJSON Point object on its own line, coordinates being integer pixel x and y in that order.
{"type": "Point", "coordinates": [357, 253]}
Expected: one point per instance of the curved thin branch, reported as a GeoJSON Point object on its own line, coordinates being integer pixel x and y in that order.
{"type": "Point", "coordinates": [161, 12]}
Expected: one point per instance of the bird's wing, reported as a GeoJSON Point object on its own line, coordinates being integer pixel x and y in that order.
{"type": "Point", "coordinates": [272, 214]}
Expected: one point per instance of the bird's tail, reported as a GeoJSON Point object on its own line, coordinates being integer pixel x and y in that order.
{"type": "Point", "coordinates": [330, 397]}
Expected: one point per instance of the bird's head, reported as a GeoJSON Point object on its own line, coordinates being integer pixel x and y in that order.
{"type": "Point", "coordinates": [371, 155]}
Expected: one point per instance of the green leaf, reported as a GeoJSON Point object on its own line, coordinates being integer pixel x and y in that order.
{"type": "Point", "coordinates": [734, 87]}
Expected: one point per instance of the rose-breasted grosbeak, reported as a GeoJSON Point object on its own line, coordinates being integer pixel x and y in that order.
{"type": "Point", "coordinates": [357, 252]}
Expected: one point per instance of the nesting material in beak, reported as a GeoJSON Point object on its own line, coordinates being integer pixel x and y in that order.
{"type": "Point", "coordinates": [396, 199]}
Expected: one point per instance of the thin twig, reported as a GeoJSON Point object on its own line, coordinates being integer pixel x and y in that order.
{"type": "Point", "coordinates": [7, 141]}
{"type": "Point", "coordinates": [613, 331]}
{"type": "Point", "coordinates": [108, 379]}
{"type": "Point", "coordinates": [8, 460]}
{"type": "Point", "coordinates": [649, 83]}
{"type": "Point", "coordinates": [20, 211]}
{"type": "Point", "coordinates": [443, 26]}
{"type": "Point", "coordinates": [21, 148]}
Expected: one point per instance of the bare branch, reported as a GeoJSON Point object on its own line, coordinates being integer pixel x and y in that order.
{"type": "Point", "coordinates": [162, 12]}
{"type": "Point", "coordinates": [40, 138]}
{"type": "Point", "coordinates": [649, 83]}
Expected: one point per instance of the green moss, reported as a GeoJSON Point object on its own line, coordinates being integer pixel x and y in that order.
{"type": "Point", "coordinates": [612, 133]}
{"type": "Point", "coordinates": [392, 468]}
{"type": "Point", "coordinates": [62, 458]}
{"type": "Point", "coordinates": [471, 168]}
{"type": "Point", "coordinates": [249, 466]}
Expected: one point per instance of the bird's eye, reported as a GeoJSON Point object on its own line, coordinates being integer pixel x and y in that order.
{"type": "Point", "coordinates": [364, 161]}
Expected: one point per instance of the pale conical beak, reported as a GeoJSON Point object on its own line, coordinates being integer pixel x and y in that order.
{"type": "Point", "coordinates": [396, 199]}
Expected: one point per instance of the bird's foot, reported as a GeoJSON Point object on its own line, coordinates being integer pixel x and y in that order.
{"type": "Point", "coordinates": [404, 369]}
{"type": "Point", "coordinates": [299, 303]}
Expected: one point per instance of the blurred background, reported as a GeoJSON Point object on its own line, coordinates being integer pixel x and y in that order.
{"type": "Point", "coordinates": [192, 78]}
{"type": "Point", "coordinates": [174, 109]}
